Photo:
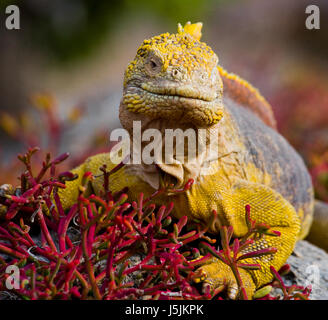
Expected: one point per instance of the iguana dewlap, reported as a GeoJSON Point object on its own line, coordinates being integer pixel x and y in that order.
{"type": "Point", "coordinates": [175, 82]}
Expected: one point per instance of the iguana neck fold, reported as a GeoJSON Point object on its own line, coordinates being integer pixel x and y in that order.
{"type": "Point", "coordinates": [213, 144]}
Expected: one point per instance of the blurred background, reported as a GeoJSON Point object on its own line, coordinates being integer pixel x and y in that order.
{"type": "Point", "coordinates": [61, 73]}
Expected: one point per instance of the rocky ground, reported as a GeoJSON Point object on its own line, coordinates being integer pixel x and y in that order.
{"type": "Point", "coordinates": [309, 265]}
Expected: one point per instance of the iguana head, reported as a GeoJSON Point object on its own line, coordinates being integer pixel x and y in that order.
{"type": "Point", "coordinates": [175, 76]}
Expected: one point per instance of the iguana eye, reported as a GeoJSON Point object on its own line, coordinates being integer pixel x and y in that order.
{"type": "Point", "coordinates": [153, 65]}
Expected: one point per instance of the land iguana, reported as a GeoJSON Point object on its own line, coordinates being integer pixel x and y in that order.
{"type": "Point", "coordinates": [174, 82]}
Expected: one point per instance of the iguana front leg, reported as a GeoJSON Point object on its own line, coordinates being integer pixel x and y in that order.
{"type": "Point", "coordinates": [267, 206]}
{"type": "Point", "coordinates": [69, 195]}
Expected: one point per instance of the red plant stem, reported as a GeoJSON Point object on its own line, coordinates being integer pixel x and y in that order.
{"type": "Point", "coordinates": [148, 279]}
{"type": "Point", "coordinates": [199, 261]}
{"type": "Point", "coordinates": [72, 267]}
{"type": "Point", "coordinates": [31, 191]}
{"type": "Point", "coordinates": [257, 253]}
{"type": "Point", "coordinates": [14, 227]}
{"type": "Point", "coordinates": [192, 238]}
{"type": "Point", "coordinates": [45, 230]}
{"type": "Point", "coordinates": [8, 236]}
{"type": "Point", "coordinates": [92, 229]}
{"type": "Point", "coordinates": [63, 226]}
{"type": "Point", "coordinates": [279, 279]}
{"type": "Point", "coordinates": [60, 211]}
{"type": "Point", "coordinates": [11, 252]}
{"type": "Point", "coordinates": [110, 258]}
{"type": "Point", "coordinates": [18, 248]}
{"type": "Point", "coordinates": [101, 276]}
{"type": "Point", "coordinates": [240, 283]}
{"type": "Point", "coordinates": [81, 215]}
{"type": "Point", "coordinates": [54, 273]}
{"type": "Point", "coordinates": [89, 265]}
{"type": "Point", "coordinates": [32, 282]}
{"type": "Point", "coordinates": [69, 242]}
{"type": "Point", "coordinates": [12, 211]}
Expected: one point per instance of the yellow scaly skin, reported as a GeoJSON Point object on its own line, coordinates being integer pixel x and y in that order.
{"type": "Point", "coordinates": [175, 76]}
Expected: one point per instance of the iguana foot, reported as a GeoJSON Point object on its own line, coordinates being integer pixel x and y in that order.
{"type": "Point", "coordinates": [218, 275]}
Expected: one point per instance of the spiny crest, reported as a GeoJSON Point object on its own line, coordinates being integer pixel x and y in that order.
{"type": "Point", "coordinates": [194, 29]}
{"type": "Point", "coordinates": [182, 49]}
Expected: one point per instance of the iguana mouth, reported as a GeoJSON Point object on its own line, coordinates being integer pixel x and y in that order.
{"type": "Point", "coordinates": [182, 91]}
{"type": "Point", "coordinates": [179, 103]}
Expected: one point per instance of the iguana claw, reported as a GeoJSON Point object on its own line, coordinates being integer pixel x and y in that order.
{"type": "Point", "coordinates": [218, 275]}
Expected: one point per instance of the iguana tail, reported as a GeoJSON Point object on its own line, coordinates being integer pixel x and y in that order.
{"type": "Point", "coordinates": [246, 95]}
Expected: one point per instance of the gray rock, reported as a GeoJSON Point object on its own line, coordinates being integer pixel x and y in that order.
{"type": "Point", "coordinates": [309, 265]}
{"type": "Point", "coordinates": [318, 233]}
